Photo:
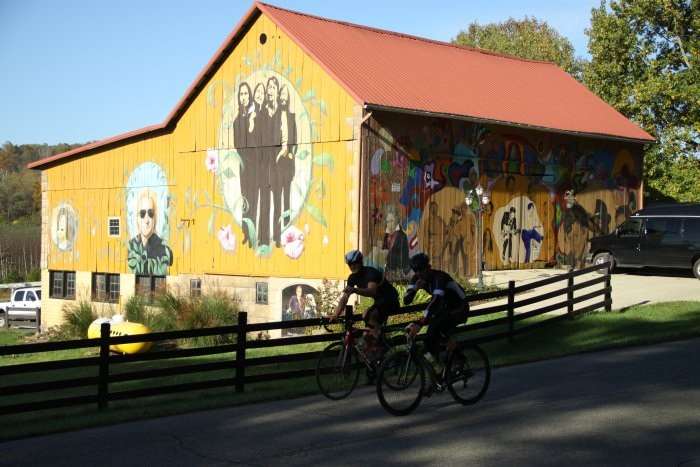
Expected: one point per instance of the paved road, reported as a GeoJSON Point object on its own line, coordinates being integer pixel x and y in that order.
{"type": "Point", "coordinates": [636, 407]}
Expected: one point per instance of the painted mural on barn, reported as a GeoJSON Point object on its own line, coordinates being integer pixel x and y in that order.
{"type": "Point", "coordinates": [147, 213]}
{"type": "Point", "coordinates": [421, 168]}
{"type": "Point", "coordinates": [299, 301]}
{"type": "Point", "coordinates": [64, 226]}
{"type": "Point", "coordinates": [265, 176]}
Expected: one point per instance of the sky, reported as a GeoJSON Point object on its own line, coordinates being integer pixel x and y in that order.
{"type": "Point", "coordinates": [75, 71]}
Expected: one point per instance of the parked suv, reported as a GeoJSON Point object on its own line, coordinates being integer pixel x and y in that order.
{"type": "Point", "coordinates": [24, 305]}
{"type": "Point", "coordinates": [665, 236]}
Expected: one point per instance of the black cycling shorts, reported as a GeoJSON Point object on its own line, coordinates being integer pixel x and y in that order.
{"type": "Point", "coordinates": [382, 310]}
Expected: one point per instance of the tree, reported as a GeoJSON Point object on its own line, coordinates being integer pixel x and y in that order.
{"type": "Point", "coordinates": [645, 62]}
{"type": "Point", "coordinates": [20, 188]}
{"type": "Point", "coordinates": [526, 38]}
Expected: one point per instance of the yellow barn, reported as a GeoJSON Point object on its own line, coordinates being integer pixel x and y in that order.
{"type": "Point", "coordinates": [305, 137]}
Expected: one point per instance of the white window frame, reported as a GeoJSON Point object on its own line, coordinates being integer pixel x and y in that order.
{"type": "Point", "coordinates": [261, 291]}
{"type": "Point", "coordinates": [119, 226]}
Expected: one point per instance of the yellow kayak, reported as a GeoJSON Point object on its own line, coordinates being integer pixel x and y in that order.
{"type": "Point", "coordinates": [121, 329]}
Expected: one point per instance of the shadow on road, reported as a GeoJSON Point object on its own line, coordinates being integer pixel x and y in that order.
{"type": "Point", "coordinates": [662, 272]}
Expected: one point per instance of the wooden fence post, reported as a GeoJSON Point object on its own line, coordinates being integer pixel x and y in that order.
{"type": "Point", "coordinates": [608, 291]}
{"type": "Point", "coordinates": [240, 351]}
{"type": "Point", "coordinates": [102, 385]}
{"type": "Point", "coordinates": [511, 310]}
{"type": "Point", "coordinates": [570, 293]}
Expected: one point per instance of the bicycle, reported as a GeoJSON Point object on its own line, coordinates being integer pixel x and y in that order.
{"type": "Point", "coordinates": [339, 364]}
{"type": "Point", "coordinates": [401, 379]}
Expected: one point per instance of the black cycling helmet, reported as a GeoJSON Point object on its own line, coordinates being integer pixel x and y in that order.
{"type": "Point", "coordinates": [419, 262]}
{"type": "Point", "coordinates": [353, 256]}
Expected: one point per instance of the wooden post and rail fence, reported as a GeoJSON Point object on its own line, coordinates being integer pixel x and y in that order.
{"type": "Point", "coordinates": [236, 346]}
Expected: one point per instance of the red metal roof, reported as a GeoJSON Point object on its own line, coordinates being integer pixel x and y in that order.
{"type": "Point", "coordinates": [389, 70]}
{"type": "Point", "coordinates": [399, 71]}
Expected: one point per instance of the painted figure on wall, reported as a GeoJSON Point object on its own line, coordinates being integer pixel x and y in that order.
{"type": "Point", "coordinates": [64, 227]}
{"type": "Point", "coordinates": [265, 178]}
{"type": "Point", "coordinates": [396, 244]}
{"type": "Point", "coordinates": [243, 126]}
{"type": "Point", "coordinates": [147, 203]}
{"type": "Point", "coordinates": [148, 255]}
{"type": "Point", "coordinates": [299, 302]}
{"type": "Point", "coordinates": [532, 233]}
{"type": "Point", "coordinates": [509, 229]}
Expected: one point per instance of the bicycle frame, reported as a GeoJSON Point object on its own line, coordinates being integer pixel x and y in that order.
{"type": "Point", "coordinates": [349, 340]}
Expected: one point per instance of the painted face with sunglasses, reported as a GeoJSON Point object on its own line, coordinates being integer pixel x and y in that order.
{"type": "Point", "coordinates": [146, 216]}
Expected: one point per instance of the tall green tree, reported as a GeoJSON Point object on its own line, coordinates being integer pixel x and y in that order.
{"type": "Point", "coordinates": [527, 38]}
{"type": "Point", "coordinates": [645, 61]}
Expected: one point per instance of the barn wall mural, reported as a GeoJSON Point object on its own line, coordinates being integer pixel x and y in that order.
{"type": "Point", "coordinates": [257, 178]}
{"type": "Point", "coordinates": [420, 169]}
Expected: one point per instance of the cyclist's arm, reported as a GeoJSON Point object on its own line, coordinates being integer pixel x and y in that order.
{"type": "Point", "coordinates": [369, 291]}
{"type": "Point", "coordinates": [340, 307]}
{"type": "Point", "coordinates": [433, 306]}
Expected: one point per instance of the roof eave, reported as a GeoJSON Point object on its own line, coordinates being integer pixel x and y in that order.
{"type": "Point", "coordinates": [468, 118]}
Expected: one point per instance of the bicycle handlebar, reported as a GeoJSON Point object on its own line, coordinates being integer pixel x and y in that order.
{"type": "Point", "coordinates": [325, 322]}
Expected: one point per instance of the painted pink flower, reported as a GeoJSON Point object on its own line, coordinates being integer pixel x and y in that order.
{"type": "Point", "coordinates": [227, 238]}
{"type": "Point", "coordinates": [293, 242]}
{"type": "Point", "coordinates": [212, 160]}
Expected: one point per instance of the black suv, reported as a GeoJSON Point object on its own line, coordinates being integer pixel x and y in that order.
{"type": "Point", "coordinates": [666, 236]}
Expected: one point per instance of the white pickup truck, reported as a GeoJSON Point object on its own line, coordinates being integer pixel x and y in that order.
{"type": "Point", "coordinates": [23, 309]}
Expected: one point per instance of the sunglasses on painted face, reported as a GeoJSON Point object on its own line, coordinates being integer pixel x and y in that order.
{"type": "Point", "coordinates": [143, 213]}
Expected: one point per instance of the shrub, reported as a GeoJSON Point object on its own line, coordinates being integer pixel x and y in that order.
{"type": "Point", "coordinates": [135, 310]}
{"type": "Point", "coordinates": [328, 295]}
{"type": "Point", "coordinates": [218, 309]}
{"type": "Point", "coordinates": [184, 312]}
{"type": "Point", "coordinates": [76, 320]}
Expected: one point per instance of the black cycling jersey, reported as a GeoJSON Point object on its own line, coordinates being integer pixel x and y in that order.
{"type": "Point", "coordinates": [440, 285]}
{"type": "Point", "coordinates": [385, 291]}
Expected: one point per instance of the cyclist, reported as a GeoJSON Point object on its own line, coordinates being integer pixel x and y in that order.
{"type": "Point", "coordinates": [368, 282]}
{"type": "Point", "coordinates": [448, 306]}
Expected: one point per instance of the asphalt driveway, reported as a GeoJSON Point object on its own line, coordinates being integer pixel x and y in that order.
{"type": "Point", "coordinates": [629, 287]}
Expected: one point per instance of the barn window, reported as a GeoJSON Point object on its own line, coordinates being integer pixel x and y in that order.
{"type": "Point", "coordinates": [105, 287]}
{"type": "Point", "coordinates": [113, 226]}
{"type": "Point", "coordinates": [150, 286]}
{"type": "Point", "coordinates": [195, 287]}
{"type": "Point", "coordinates": [62, 284]}
{"type": "Point", "coordinates": [261, 293]}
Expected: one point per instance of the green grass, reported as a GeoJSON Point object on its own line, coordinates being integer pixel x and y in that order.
{"type": "Point", "coordinates": [636, 326]}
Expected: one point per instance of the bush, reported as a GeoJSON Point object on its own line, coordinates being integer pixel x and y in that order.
{"type": "Point", "coordinates": [184, 312]}
{"type": "Point", "coordinates": [76, 320]}
{"type": "Point", "coordinates": [135, 310]}
{"type": "Point", "coordinates": [218, 309]}
{"type": "Point", "coordinates": [161, 316]}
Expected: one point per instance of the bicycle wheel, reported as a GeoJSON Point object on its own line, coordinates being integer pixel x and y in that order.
{"type": "Point", "coordinates": [400, 382]}
{"type": "Point", "coordinates": [337, 371]}
{"type": "Point", "coordinates": [468, 374]}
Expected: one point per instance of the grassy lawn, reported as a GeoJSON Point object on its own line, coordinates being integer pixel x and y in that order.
{"type": "Point", "coordinates": [638, 325]}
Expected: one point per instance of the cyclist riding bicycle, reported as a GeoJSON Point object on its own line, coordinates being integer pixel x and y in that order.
{"type": "Point", "coordinates": [369, 282]}
{"type": "Point", "coordinates": [448, 306]}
